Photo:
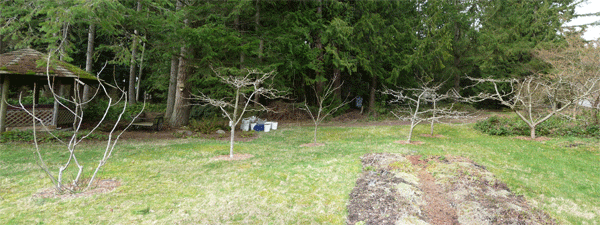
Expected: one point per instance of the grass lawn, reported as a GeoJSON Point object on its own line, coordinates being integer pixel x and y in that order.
{"type": "Point", "coordinates": [175, 181]}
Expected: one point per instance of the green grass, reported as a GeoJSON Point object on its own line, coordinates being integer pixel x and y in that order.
{"type": "Point", "coordinates": [177, 182]}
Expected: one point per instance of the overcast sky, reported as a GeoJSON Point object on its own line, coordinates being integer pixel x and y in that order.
{"type": "Point", "coordinates": [591, 6]}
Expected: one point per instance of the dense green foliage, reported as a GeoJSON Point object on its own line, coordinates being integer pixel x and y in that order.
{"type": "Point", "coordinates": [553, 127]}
{"type": "Point", "coordinates": [96, 109]}
{"type": "Point", "coordinates": [209, 125]}
{"type": "Point", "coordinates": [366, 44]}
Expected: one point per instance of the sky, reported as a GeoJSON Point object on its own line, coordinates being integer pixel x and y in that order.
{"type": "Point", "coordinates": [591, 6]}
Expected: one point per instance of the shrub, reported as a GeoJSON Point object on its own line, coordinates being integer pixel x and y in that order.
{"type": "Point", "coordinates": [555, 126]}
{"type": "Point", "coordinates": [200, 112]}
{"type": "Point", "coordinates": [95, 110]}
{"type": "Point", "coordinates": [494, 126]}
{"type": "Point", "coordinates": [209, 126]}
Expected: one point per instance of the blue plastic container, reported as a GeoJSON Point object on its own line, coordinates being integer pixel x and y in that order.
{"type": "Point", "coordinates": [259, 127]}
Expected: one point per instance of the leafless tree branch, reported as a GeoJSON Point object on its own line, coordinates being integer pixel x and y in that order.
{"type": "Point", "coordinates": [235, 108]}
{"type": "Point", "coordinates": [323, 111]}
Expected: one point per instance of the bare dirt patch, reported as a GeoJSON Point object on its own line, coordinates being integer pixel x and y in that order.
{"type": "Point", "coordinates": [312, 145]}
{"type": "Point", "coordinates": [99, 187]}
{"type": "Point", "coordinates": [235, 157]}
{"type": "Point", "coordinates": [536, 139]}
{"type": "Point", "coordinates": [399, 189]}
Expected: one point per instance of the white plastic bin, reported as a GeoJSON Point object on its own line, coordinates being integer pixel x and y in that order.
{"type": "Point", "coordinates": [245, 125]}
{"type": "Point", "coordinates": [267, 126]}
{"type": "Point", "coordinates": [274, 125]}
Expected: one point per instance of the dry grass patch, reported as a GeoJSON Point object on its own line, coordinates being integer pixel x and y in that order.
{"type": "Point", "coordinates": [99, 187]}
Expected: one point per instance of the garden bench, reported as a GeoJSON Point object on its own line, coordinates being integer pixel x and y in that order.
{"type": "Point", "coordinates": [153, 120]}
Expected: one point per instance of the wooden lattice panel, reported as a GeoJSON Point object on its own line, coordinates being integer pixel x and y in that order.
{"type": "Point", "coordinates": [65, 117]}
{"type": "Point", "coordinates": [20, 118]}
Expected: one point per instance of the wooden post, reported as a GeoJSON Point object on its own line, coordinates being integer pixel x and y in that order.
{"type": "Point", "coordinates": [3, 104]}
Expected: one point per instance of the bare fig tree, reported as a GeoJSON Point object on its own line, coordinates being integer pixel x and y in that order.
{"type": "Point", "coordinates": [244, 88]}
{"type": "Point", "coordinates": [78, 135]}
{"type": "Point", "coordinates": [324, 110]}
{"type": "Point", "coordinates": [537, 98]}
{"type": "Point", "coordinates": [415, 101]}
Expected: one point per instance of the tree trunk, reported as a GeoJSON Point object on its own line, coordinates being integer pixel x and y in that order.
{"type": "Point", "coordinates": [172, 86]}
{"type": "Point", "coordinates": [372, 94]}
{"type": "Point", "coordinates": [88, 59]}
{"type": "Point", "coordinates": [3, 104]}
{"type": "Point", "coordinates": [412, 127]}
{"type": "Point", "coordinates": [532, 132]}
{"type": "Point", "coordinates": [181, 108]}
{"type": "Point", "coordinates": [234, 121]}
{"type": "Point", "coordinates": [173, 76]}
{"type": "Point", "coordinates": [139, 80]}
{"type": "Point", "coordinates": [231, 141]}
{"type": "Point", "coordinates": [260, 44]}
{"type": "Point", "coordinates": [1, 44]}
{"type": "Point", "coordinates": [131, 89]}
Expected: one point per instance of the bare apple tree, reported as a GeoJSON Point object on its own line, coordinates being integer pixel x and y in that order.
{"type": "Point", "coordinates": [578, 59]}
{"type": "Point", "coordinates": [415, 100]}
{"type": "Point", "coordinates": [323, 109]}
{"type": "Point", "coordinates": [78, 135]}
{"type": "Point", "coordinates": [251, 82]}
{"type": "Point", "coordinates": [537, 98]}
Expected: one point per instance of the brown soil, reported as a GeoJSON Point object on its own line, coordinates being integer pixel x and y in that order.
{"type": "Point", "coordinates": [413, 189]}
{"type": "Point", "coordinates": [312, 145]}
{"type": "Point", "coordinates": [100, 187]}
{"type": "Point", "coordinates": [438, 210]}
{"type": "Point", "coordinates": [234, 158]}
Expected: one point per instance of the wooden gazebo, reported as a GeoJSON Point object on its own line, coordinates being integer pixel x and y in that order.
{"type": "Point", "coordinates": [26, 67]}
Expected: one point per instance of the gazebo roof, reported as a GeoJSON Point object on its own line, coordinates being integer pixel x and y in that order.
{"type": "Point", "coordinates": [29, 62]}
